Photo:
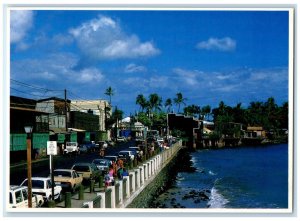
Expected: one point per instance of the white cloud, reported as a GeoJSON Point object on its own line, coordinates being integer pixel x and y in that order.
{"type": "Point", "coordinates": [153, 82]}
{"type": "Point", "coordinates": [226, 88]}
{"type": "Point", "coordinates": [103, 38]}
{"type": "Point", "coordinates": [189, 77]}
{"type": "Point", "coordinates": [89, 75]}
{"type": "Point", "coordinates": [223, 44]}
{"type": "Point", "coordinates": [62, 39]}
{"type": "Point", "coordinates": [20, 22]}
{"type": "Point", "coordinates": [57, 67]}
{"type": "Point", "coordinates": [133, 68]}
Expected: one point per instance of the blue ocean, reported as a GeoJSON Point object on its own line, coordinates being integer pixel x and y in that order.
{"type": "Point", "coordinates": [244, 177]}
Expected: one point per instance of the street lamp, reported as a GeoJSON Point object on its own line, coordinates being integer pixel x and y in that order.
{"type": "Point", "coordinates": [28, 130]}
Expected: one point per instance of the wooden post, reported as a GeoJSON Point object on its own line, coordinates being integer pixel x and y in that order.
{"type": "Point", "coordinates": [29, 170]}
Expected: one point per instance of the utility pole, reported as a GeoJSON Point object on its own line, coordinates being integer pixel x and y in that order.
{"type": "Point", "coordinates": [66, 111]}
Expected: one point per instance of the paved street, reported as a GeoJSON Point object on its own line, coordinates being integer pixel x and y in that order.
{"type": "Point", "coordinates": [40, 167]}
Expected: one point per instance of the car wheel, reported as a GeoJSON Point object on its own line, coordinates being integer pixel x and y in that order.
{"type": "Point", "coordinates": [39, 204]}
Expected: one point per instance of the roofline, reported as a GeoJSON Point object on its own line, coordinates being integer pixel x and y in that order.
{"type": "Point", "coordinates": [54, 98]}
{"type": "Point", "coordinates": [28, 109]}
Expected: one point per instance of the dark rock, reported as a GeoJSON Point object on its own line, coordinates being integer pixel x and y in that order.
{"type": "Point", "coordinates": [197, 201]}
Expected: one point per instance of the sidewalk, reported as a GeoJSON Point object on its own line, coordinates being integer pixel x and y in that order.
{"type": "Point", "coordinates": [87, 196]}
{"type": "Point", "coordinates": [24, 163]}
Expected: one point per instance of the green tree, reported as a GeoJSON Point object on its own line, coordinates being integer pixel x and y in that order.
{"type": "Point", "coordinates": [141, 100]}
{"type": "Point", "coordinates": [179, 100]}
{"type": "Point", "coordinates": [206, 111]}
{"type": "Point", "coordinates": [168, 104]}
{"type": "Point", "coordinates": [192, 110]}
{"type": "Point", "coordinates": [144, 119]}
{"type": "Point", "coordinates": [109, 92]}
{"type": "Point", "coordinates": [155, 102]}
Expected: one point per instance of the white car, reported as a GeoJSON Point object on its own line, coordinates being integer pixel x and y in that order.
{"type": "Point", "coordinates": [137, 149]}
{"type": "Point", "coordinates": [102, 144]}
{"type": "Point", "coordinates": [160, 139]}
{"type": "Point", "coordinates": [43, 186]}
{"type": "Point", "coordinates": [121, 139]}
{"type": "Point", "coordinates": [18, 198]}
{"type": "Point", "coordinates": [127, 152]}
{"type": "Point", "coordinates": [71, 147]}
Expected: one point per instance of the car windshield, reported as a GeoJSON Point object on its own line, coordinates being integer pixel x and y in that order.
{"type": "Point", "coordinates": [62, 173]}
{"type": "Point", "coordinates": [71, 144]}
{"type": "Point", "coordinates": [110, 158]}
{"type": "Point", "coordinates": [81, 168]}
{"type": "Point", "coordinates": [101, 162]}
{"type": "Point", "coordinates": [37, 184]}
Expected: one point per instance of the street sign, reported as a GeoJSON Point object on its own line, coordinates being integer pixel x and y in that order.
{"type": "Point", "coordinates": [51, 147]}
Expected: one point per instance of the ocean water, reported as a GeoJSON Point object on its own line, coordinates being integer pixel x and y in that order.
{"type": "Point", "coordinates": [245, 177]}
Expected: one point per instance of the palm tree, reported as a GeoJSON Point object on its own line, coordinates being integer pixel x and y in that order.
{"type": "Point", "coordinates": [168, 104]}
{"type": "Point", "coordinates": [154, 102]}
{"type": "Point", "coordinates": [109, 92]}
{"type": "Point", "coordinates": [141, 100]}
{"type": "Point", "coordinates": [179, 100]}
{"type": "Point", "coordinates": [206, 111]}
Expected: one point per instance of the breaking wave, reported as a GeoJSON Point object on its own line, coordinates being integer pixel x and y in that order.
{"type": "Point", "coordinates": [216, 199]}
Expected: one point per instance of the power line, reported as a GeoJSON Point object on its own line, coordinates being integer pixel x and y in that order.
{"type": "Point", "coordinates": [32, 86]}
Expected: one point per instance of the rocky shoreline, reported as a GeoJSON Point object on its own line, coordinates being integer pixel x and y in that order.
{"type": "Point", "coordinates": [162, 193]}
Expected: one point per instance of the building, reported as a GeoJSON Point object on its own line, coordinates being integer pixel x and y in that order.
{"type": "Point", "coordinates": [57, 109]}
{"type": "Point", "coordinates": [23, 113]}
{"type": "Point", "coordinates": [188, 127]}
{"type": "Point", "coordinates": [101, 108]}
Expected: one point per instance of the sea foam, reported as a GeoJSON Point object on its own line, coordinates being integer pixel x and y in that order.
{"type": "Point", "coordinates": [216, 200]}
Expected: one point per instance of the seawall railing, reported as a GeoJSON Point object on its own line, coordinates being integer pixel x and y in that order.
{"type": "Point", "coordinates": [126, 190]}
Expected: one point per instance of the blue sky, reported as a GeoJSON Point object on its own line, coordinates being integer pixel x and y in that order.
{"type": "Point", "coordinates": [208, 56]}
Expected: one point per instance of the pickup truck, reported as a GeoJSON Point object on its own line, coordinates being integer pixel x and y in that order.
{"type": "Point", "coordinates": [18, 198]}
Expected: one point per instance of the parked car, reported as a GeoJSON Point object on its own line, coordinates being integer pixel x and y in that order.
{"type": "Point", "coordinates": [88, 171]}
{"type": "Point", "coordinates": [102, 164]}
{"type": "Point", "coordinates": [18, 198]}
{"type": "Point", "coordinates": [71, 148]}
{"type": "Point", "coordinates": [121, 139]}
{"type": "Point", "coordinates": [137, 149]}
{"type": "Point", "coordinates": [87, 146]}
{"type": "Point", "coordinates": [110, 143]}
{"type": "Point", "coordinates": [160, 139]}
{"type": "Point", "coordinates": [130, 153]}
{"type": "Point", "coordinates": [111, 158]}
{"type": "Point", "coordinates": [102, 144]}
{"type": "Point", "coordinates": [68, 179]}
{"type": "Point", "coordinates": [134, 152]}
{"type": "Point", "coordinates": [43, 186]}
{"type": "Point", "coordinates": [83, 149]}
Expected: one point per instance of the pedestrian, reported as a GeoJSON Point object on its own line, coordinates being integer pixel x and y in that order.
{"type": "Point", "coordinates": [120, 173]}
{"type": "Point", "coordinates": [114, 167]}
{"type": "Point", "coordinates": [120, 163]}
{"type": "Point", "coordinates": [111, 171]}
{"type": "Point", "coordinates": [111, 175]}
{"type": "Point", "coordinates": [125, 173]}
{"type": "Point", "coordinates": [107, 180]}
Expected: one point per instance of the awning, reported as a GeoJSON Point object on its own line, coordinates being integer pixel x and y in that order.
{"type": "Point", "coordinates": [57, 131]}
{"type": "Point", "coordinates": [75, 129]}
